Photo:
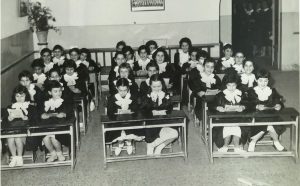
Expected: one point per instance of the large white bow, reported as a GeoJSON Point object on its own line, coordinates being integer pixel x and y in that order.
{"type": "Point", "coordinates": [208, 79]}
{"type": "Point", "coordinates": [71, 80]}
{"type": "Point", "coordinates": [162, 67]}
{"type": "Point", "coordinates": [157, 96]}
{"type": "Point", "coordinates": [23, 106]}
{"type": "Point", "coordinates": [143, 64]}
{"type": "Point", "coordinates": [233, 96]}
{"type": "Point", "coordinates": [53, 104]}
{"type": "Point", "coordinates": [183, 57]}
{"type": "Point", "coordinates": [48, 67]}
{"type": "Point", "coordinates": [39, 78]}
{"type": "Point", "coordinates": [123, 102]}
{"type": "Point", "coordinates": [59, 61]}
{"type": "Point", "coordinates": [263, 94]}
{"type": "Point", "coordinates": [227, 63]}
{"type": "Point", "coordinates": [248, 79]}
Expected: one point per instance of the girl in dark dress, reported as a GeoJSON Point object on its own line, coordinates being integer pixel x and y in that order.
{"type": "Point", "coordinates": [152, 68]}
{"type": "Point", "coordinates": [182, 56]}
{"type": "Point", "coordinates": [58, 57]}
{"type": "Point", "coordinates": [263, 97]}
{"type": "Point", "coordinates": [46, 57]}
{"type": "Point", "coordinates": [248, 77]}
{"type": "Point", "coordinates": [157, 102]}
{"type": "Point", "coordinates": [227, 61]}
{"type": "Point", "coordinates": [38, 76]}
{"type": "Point", "coordinates": [81, 67]}
{"type": "Point", "coordinates": [151, 47]}
{"type": "Point", "coordinates": [141, 64]}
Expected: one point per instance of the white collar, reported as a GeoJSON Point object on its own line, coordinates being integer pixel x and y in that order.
{"type": "Point", "coordinates": [162, 67]}
{"type": "Point", "coordinates": [53, 104]}
{"type": "Point", "coordinates": [40, 78]}
{"type": "Point", "coordinates": [158, 96]}
{"type": "Point", "coordinates": [208, 79]}
{"type": "Point", "coordinates": [263, 94]}
{"type": "Point", "coordinates": [78, 62]}
{"type": "Point", "coordinates": [239, 68]}
{"type": "Point", "coordinates": [48, 66]}
{"type": "Point", "coordinates": [71, 80]}
{"type": "Point", "coordinates": [227, 63]}
{"type": "Point", "coordinates": [86, 63]}
{"type": "Point", "coordinates": [248, 79]}
{"type": "Point", "coordinates": [234, 97]}
{"type": "Point", "coordinates": [183, 57]}
{"type": "Point", "coordinates": [116, 69]}
{"type": "Point", "coordinates": [32, 91]}
{"type": "Point", "coordinates": [130, 62]}
{"type": "Point", "coordinates": [143, 63]}
{"type": "Point", "coordinates": [60, 61]}
{"type": "Point", "coordinates": [123, 102]}
{"type": "Point", "coordinates": [148, 81]}
{"type": "Point", "coordinates": [23, 106]}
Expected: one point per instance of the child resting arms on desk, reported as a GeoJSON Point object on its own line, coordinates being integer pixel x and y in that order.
{"type": "Point", "coordinates": [230, 100]}
{"type": "Point", "coordinates": [158, 102]}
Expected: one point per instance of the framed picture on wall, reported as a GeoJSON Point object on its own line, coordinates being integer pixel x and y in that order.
{"type": "Point", "coordinates": [147, 5]}
{"type": "Point", "coordinates": [23, 5]}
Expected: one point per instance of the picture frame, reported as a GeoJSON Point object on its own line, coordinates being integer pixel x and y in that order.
{"type": "Point", "coordinates": [23, 8]}
{"type": "Point", "coordinates": [147, 5]}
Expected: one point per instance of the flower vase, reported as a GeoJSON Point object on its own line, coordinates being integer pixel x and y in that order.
{"type": "Point", "coordinates": [42, 37]}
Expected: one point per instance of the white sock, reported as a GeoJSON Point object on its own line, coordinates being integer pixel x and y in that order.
{"type": "Point", "coordinates": [278, 145]}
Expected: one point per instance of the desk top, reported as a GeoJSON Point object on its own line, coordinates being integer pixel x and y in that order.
{"type": "Point", "coordinates": [138, 117]}
{"type": "Point", "coordinates": [256, 114]}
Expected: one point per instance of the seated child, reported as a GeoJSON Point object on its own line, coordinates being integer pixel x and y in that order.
{"type": "Point", "coordinates": [126, 72]}
{"type": "Point", "coordinates": [56, 108]}
{"type": "Point", "coordinates": [151, 47]}
{"type": "Point", "coordinates": [248, 77]}
{"type": "Point", "coordinates": [58, 57]}
{"type": "Point", "coordinates": [230, 96]}
{"type": "Point", "coordinates": [158, 102]}
{"type": "Point", "coordinates": [20, 110]}
{"type": "Point", "coordinates": [239, 59]}
{"type": "Point", "coordinates": [227, 61]}
{"type": "Point", "coordinates": [123, 102]}
{"type": "Point", "coordinates": [46, 56]}
{"type": "Point", "coordinates": [38, 77]}
{"type": "Point", "coordinates": [182, 56]}
{"type": "Point", "coordinates": [120, 45]}
{"type": "Point", "coordinates": [152, 68]}
{"type": "Point", "coordinates": [72, 79]}
{"type": "Point", "coordinates": [200, 83]}
{"type": "Point", "coordinates": [81, 69]}
{"type": "Point", "coordinates": [263, 97]}
{"type": "Point", "coordinates": [193, 63]}
{"type": "Point", "coordinates": [140, 65]}
{"type": "Point", "coordinates": [85, 57]}
{"type": "Point", "coordinates": [129, 53]}
{"type": "Point", "coordinates": [119, 59]}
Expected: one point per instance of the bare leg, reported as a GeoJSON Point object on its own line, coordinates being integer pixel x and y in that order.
{"type": "Point", "coordinates": [236, 141]}
{"type": "Point", "coordinates": [274, 136]}
{"type": "Point", "coordinates": [56, 144]}
{"type": "Point", "coordinates": [12, 146]}
{"type": "Point", "coordinates": [227, 140]}
{"type": "Point", "coordinates": [20, 145]}
{"type": "Point", "coordinates": [48, 143]}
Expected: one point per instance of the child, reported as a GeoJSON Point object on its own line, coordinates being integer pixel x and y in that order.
{"type": "Point", "coordinates": [114, 72]}
{"type": "Point", "coordinates": [166, 69]}
{"type": "Point", "coordinates": [123, 102]}
{"type": "Point", "coordinates": [38, 77]}
{"type": "Point", "coordinates": [230, 96]}
{"type": "Point", "coordinates": [36, 95]}
{"type": "Point", "coordinates": [73, 80]}
{"type": "Point", "coordinates": [152, 68]}
{"type": "Point", "coordinates": [129, 53]}
{"type": "Point", "coordinates": [120, 45]}
{"type": "Point", "coordinates": [125, 72]}
{"type": "Point", "coordinates": [46, 56]}
{"type": "Point", "coordinates": [81, 69]}
{"type": "Point", "coordinates": [85, 57]}
{"type": "Point", "coordinates": [182, 56]}
{"type": "Point", "coordinates": [58, 57]}
{"type": "Point", "coordinates": [158, 102]}
{"type": "Point", "coordinates": [140, 65]}
{"type": "Point", "coordinates": [199, 83]}
{"type": "Point", "coordinates": [151, 47]}
{"type": "Point", "coordinates": [227, 61]}
{"type": "Point", "coordinates": [239, 59]}
{"type": "Point", "coordinates": [263, 97]}
{"type": "Point", "coordinates": [56, 108]}
{"type": "Point", "coordinates": [21, 103]}
{"type": "Point", "coordinates": [248, 77]}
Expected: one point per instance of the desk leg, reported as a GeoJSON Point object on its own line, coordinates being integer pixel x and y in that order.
{"type": "Point", "coordinates": [185, 139]}
{"type": "Point", "coordinates": [210, 143]}
{"type": "Point", "coordinates": [296, 138]}
{"type": "Point", "coordinates": [104, 148]}
{"type": "Point", "coordinates": [77, 128]}
{"type": "Point", "coordinates": [72, 148]}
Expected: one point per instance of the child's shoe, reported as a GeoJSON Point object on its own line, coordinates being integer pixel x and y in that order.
{"type": "Point", "coordinates": [53, 157]}
{"type": "Point", "coordinates": [223, 149]}
{"type": "Point", "coordinates": [19, 161]}
{"type": "Point", "coordinates": [238, 150]}
{"type": "Point", "coordinates": [118, 151]}
{"type": "Point", "coordinates": [60, 156]}
{"type": "Point", "coordinates": [129, 147]}
{"type": "Point", "coordinates": [13, 161]}
{"type": "Point", "coordinates": [251, 146]}
{"type": "Point", "coordinates": [150, 149]}
{"type": "Point", "coordinates": [278, 146]}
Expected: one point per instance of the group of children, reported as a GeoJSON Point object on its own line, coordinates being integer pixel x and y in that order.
{"type": "Point", "coordinates": [48, 95]}
{"type": "Point", "coordinates": [49, 92]}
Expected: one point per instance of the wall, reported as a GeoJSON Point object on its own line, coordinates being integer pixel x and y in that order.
{"type": "Point", "coordinates": [226, 21]}
{"type": "Point", "coordinates": [16, 41]}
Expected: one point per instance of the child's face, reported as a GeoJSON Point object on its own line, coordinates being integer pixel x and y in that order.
{"type": "Point", "coordinates": [202, 59]}
{"type": "Point", "coordinates": [185, 47]}
{"type": "Point", "coordinates": [160, 57]}
{"type": "Point", "coordinates": [156, 86]}
{"type": "Point", "coordinates": [56, 92]}
{"type": "Point", "coordinates": [124, 73]}
{"type": "Point", "coordinates": [228, 53]}
{"type": "Point", "coordinates": [38, 70]}
{"type": "Point", "coordinates": [231, 86]}
{"type": "Point", "coordinates": [120, 47]}
{"type": "Point", "coordinates": [248, 67]}
{"type": "Point", "coordinates": [83, 56]}
{"type": "Point", "coordinates": [239, 58]}
{"type": "Point", "coordinates": [25, 81]}
{"type": "Point", "coordinates": [120, 59]}
{"type": "Point", "coordinates": [70, 71]}
{"type": "Point", "coordinates": [194, 56]}
{"type": "Point", "coordinates": [152, 48]}
{"type": "Point", "coordinates": [209, 68]}
{"type": "Point", "coordinates": [143, 54]}
{"type": "Point", "coordinates": [20, 98]}
{"type": "Point", "coordinates": [129, 55]}
{"type": "Point", "coordinates": [262, 82]}
{"type": "Point", "coordinates": [46, 57]}
{"type": "Point", "coordinates": [151, 71]}
{"type": "Point", "coordinates": [74, 56]}
{"type": "Point", "coordinates": [57, 53]}
{"type": "Point", "coordinates": [122, 90]}
{"type": "Point", "coordinates": [54, 76]}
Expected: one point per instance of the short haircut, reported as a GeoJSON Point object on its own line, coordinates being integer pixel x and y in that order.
{"type": "Point", "coordinates": [58, 47]}
{"type": "Point", "coordinates": [204, 54]}
{"type": "Point", "coordinates": [263, 73]}
{"type": "Point", "coordinates": [194, 49]}
{"type": "Point", "coordinates": [226, 46]}
{"type": "Point", "coordinates": [20, 90]}
{"type": "Point", "coordinates": [38, 63]}
{"type": "Point", "coordinates": [231, 78]}
{"type": "Point", "coordinates": [151, 42]}
{"type": "Point", "coordinates": [126, 49]}
{"type": "Point", "coordinates": [52, 84]}
{"type": "Point", "coordinates": [157, 77]}
{"type": "Point", "coordinates": [143, 47]}
{"type": "Point", "coordinates": [69, 63]}
{"type": "Point", "coordinates": [152, 64]}
{"type": "Point", "coordinates": [160, 49]}
{"type": "Point", "coordinates": [120, 43]}
{"type": "Point", "coordinates": [44, 50]}
{"type": "Point", "coordinates": [87, 52]}
{"type": "Point", "coordinates": [25, 73]}
{"type": "Point", "coordinates": [185, 40]}
{"type": "Point", "coordinates": [209, 60]}
{"type": "Point", "coordinates": [57, 70]}
{"type": "Point", "coordinates": [74, 50]}
{"type": "Point", "coordinates": [122, 82]}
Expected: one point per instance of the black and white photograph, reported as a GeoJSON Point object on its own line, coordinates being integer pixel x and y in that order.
{"type": "Point", "coordinates": [150, 93]}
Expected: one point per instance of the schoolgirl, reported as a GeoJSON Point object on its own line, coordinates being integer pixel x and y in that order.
{"type": "Point", "coordinates": [152, 68]}
{"type": "Point", "coordinates": [58, 57]}
{"type": "Point", "coordinates": [248, 77]}
{"type": "Point", "coordinates": [38, 76]}
{"type": "Point", "coordinates": [129, 53]}
{"type": "Point", "coordinates": [182, 56]}
{"type": "Point", "coordinates": [151, 47]}
{"type": "Point", "coordinates": [140, 65]}
{"type": "Point", "coordinates": [85, 57]}
{"type": "Point", "coordinates": [239, 59]}
{"type": "Point", "coordinates": [81, 68]}
{"type": "Point", "coordinates": [227, 61]}
{"type": "Point", "coordinates": [46, 56]}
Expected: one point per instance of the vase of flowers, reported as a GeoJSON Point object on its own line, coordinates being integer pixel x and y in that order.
{"type": "Point", "coordinates": [39, 19]}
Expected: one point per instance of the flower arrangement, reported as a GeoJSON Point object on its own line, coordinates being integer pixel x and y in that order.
{"type": "Point", "coordinates": [39, 17]}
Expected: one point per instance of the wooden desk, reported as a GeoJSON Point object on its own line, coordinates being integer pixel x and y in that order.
{"type": "Point", "coordinates": [141, 121]}
{"type": "Point", "coordinates": [287, 116]}
{"type": "Point", "coordinates": [95, 79]}
{"type": "Point", "coordinates": [204, 130]}
{"type": "Point", "coordinates": [42, 129]}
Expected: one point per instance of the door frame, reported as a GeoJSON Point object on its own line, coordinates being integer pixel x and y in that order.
{"type": "Point", "coordinates": [277, 36]}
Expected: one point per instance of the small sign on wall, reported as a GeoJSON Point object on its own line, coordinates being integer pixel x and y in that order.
{"type": "Point", "coordinates": [147, 5]}
{"type": "Point", "coordinates": [23, 5]}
